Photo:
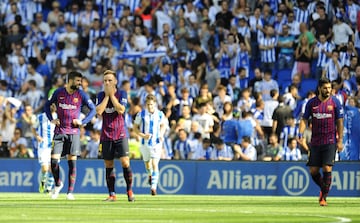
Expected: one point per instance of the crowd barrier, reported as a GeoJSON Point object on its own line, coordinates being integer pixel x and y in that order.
{"type": "Point", "coordinates": [191, 177]}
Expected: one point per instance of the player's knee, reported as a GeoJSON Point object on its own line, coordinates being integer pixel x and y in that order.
{"type": "Point", "coordinates": [314, 172]}
{"type": "Point", "coordinates": [54, 161]}
{"type": "Point", "coordinates": [125, 163]}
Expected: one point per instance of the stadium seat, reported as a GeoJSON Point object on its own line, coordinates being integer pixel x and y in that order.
{"type": "Point", "coordinates": [283, 79]}
{"type": "Point", "coordinates": [251, 74]}
{"type": "Point", "coordinates": [283, 86]}
{"type": "Point", "coordinates": [306, 85]}
{"type": "Point", "coordinates": [284, 74]}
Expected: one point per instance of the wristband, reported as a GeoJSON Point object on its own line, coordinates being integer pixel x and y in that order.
{"type": "Point", "coordinates": [300, 135]}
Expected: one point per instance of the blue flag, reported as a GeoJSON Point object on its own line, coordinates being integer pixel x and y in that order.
{"type": "Point", "coordinates": [351, 138]}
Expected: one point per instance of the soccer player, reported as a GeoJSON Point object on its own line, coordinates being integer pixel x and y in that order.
{"type": "Point", "coordinates": [43, 131]}
{"type": "Point", "coordinates": [66, 141]}
{"type": "Point", "coordinates": [326, 115]}
{"type": "Point", "coordinates": [149, 124]}
{"type": "Point", "coordinates": [111, 105]}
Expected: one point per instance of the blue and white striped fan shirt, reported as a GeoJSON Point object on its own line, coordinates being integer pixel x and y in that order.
{"type": "Point", "coordinates": [183, 147]}
{"type": "Point", "coordinates": [288, 132]}
{"type": "Point", "coordinates": [322, 58]}
{"type": "Point", "coordinates": [301, 15]}
{"type": "Point", "coordinates": [268, 56]}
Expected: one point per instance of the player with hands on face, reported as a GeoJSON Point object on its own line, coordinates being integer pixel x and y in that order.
{"type": "Point", "coordinates": [111, 106]}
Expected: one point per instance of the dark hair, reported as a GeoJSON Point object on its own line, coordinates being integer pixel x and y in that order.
{"type": "Point", "coordinates": [144, 69]}
{"type": "Point", "coordinates": [267, 71]}
{"type": "Point", "coordinates": [310, 93]}
{"type": "Point", "coordinates": [273, 92]}
{"type": "Point", "coordinates": [246, 139]}
{"type": "Point", "coordinates": [206, 140]}
{"type": "Point", "coordinates": [32, 82]}
{"type": "Point", "coordinates": [183, 130]}
{"type": "Point", "coordinates": [218, 141]}
{"type": "Point", "coordinates": [323, 80]}
{"type": "Point", "coordinates": [197, 135]}
{"type": "Point", "coordinates": [292, 86]}
{"type": "Point", "coordinates": [74, 74]}
{"type": "Point", "coordinates": [290, 140]}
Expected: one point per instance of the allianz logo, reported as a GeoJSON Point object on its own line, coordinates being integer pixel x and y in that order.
{"type": "Point", "coordinates": [295, 180]}
{"type": "Point", "coordinates": [171, 179]}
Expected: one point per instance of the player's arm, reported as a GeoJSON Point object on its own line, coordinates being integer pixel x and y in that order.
{"type": "Point", "coordinates": [304, 120]}
{"type": "Point", "coordinates": [137, 131]}
{"type": "Point", "coordinates": [36, 135]}
{"type": "Point", "coordinates": [302, 127]}
{"type": "Point", "coordinates": [120, 108]}
{"type": "Point", "coordinates": [52, 100]}
{"type": "Point", "coordinates": [136, 128]}
{"type": "Point", "coordinates": [339, 115]}
{"type": "Point", "coordinates": [340, 131]}
{"type": "Point", "coordinates": [91, 106]}
{"type": "Point", "coordinates": [102, 101]}
{"type": "Point", "coordinates": [48, 103]}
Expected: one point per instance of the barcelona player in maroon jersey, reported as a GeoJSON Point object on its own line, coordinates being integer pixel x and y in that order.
{"type": "Point", "coordinates": [66, 141]}
{"type": "Point", "coordinates": [113, 141]}
{"type": "Point", "coordinates": [326, 115]}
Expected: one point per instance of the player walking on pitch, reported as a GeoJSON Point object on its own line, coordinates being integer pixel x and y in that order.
{"type": "Point", "coordinates": [43, 131]}
{"type": "Point", "coordinates": [326, 115]}
{"type": "Point", "coordinates": [149, 125]}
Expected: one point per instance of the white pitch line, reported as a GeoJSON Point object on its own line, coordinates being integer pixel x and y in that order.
{"type": "Point", "coordinates": [338, 219]}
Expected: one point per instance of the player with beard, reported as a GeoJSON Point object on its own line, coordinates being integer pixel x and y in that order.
{"type": "Point", "coordinates": [326, 115]}
{"type": "Point", "coordinates": [66, 141]}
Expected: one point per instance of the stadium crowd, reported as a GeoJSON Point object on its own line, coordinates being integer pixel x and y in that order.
{"type": "Point", "coordinates": [232, 77]}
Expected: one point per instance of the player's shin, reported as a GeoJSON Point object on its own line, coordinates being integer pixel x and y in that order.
{"type": "Point", "coordinates": [326, 183]}
{"type": "Point", "coordinates": [49, 181]}
{"type": "Point", "coordinates": [110, 180]}
{"type": "Point", "coordinates": [128, 177]}
{"type": "Point", "coordinates": [56, 171]}
{"type": "Point", "coordinates": [72, 175]}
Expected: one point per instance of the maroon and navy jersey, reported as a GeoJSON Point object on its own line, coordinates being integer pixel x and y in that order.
{"type": "Point", "coordinates": [69, 108]}
{"type": "Point", "coordinates": [323, 116]}
{"type": "Point", "coordinates": [113, 123]}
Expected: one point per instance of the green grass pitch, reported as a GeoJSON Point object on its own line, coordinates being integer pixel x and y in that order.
{"type": "Point", "coordinates": [32, 207]}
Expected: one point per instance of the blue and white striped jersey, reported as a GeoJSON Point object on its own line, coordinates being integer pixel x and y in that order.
{"type": "Point", "coordinates": [268, 56]}
{"type": "Point", "coordinates": [288, 154]}
{"type": "Point", "coordinates": [288, 132]}
{"type": "Point", "coordinates": [225, 152]}
{"type": "Point", "coordinates": [301, 15]}
{"type": "Point", "coordinates": [183, 147]}
{"type": "Point", "coordinates": [45, 129]}
{"type": "Point", "coordinates": [322, 49]}
{"type": "Point", "coordinates": [224, 65]}
{"type": "Point", "coordinates": [133, 4]}
{"type": "Point", "coordinates": [73, 18]}
{"type": "Point", "coordinates": [332, 72]}
{"type": "Point", "coordinates": [150, 123]}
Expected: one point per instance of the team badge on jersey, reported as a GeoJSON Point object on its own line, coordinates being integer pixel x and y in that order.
{"type": "Point", "coordinates": [330, 107]}
{"type": "Point", "coordinates": [75, 100]}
